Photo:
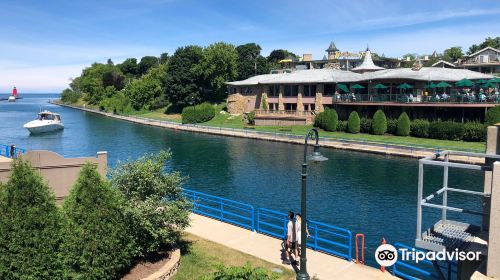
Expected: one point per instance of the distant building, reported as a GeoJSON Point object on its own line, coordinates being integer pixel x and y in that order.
{"type": "Point", "coordinates": [486, 60]}
{"type": "Point", "coordinates": [444, 64]}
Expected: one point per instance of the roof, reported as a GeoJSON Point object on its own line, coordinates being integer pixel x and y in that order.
{"type": "Point", "coordinates": [332, 47]}
{"type": "Point", "coordinates": [444, 62]}
{"type": "Point", "coordinates": [482, 50]}
{"type": "Point", "coordinates": [426, 74]}
{"type": "Point", "coordinates": [367, 64]}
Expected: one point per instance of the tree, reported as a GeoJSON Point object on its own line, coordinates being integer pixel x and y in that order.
{"type": "Point", "coordinates": [250, 62]}
{"type": "Point", "coordinates": [379, 123]}
{"type": "Point", "coordinates": [218, 66]}
{"type": "Point", "coordinates": [98, 81]}
{"type": "Point", "coordinates": [488, 42]}
{"type": "Point", "coordinates": [147, 63]}
{"type": "Point", "coordinates": [280, 54]}
{"type": "Point", "coordinates": [452, 54]}
{"type": "Point", "coordinates": [353, 123]}
{"type": "Point", "coordinates": [143, 91]}
{"type": "Point", "coordinates": [164, 58]}
{"type": "Point", "coordinates": [129, 67]}
{"type": "Point", "coordinates": [97, 242]}
{"type": "Point", "coordinates": [492, 116]}
{"type": "Point", "coordinates": [403, 126]}
{"type": "Point", "coordinates": [30, 226]}
{"type": "Point", "coordinates": [327, 120]}
{"type": "Point", "coordinates": [183, 82]}
{"type": "Point", "coordinates": [156, 207]}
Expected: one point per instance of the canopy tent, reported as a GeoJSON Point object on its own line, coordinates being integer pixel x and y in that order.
{"type": "Point", "coordinates": [343, 87]}
{"type": "Point", "coordinates": [464, 83]}
{"type": "Point", "coordinates": [443, 85]}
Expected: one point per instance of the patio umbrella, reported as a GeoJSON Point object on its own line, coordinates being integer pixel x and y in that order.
{"type": "Point", "coordinates": [343, 87]}
{"type": "Point", "coordinates": [404, 86]}
{"type": "Point", "coordinates": [357, 86]}
{"type": "Point", "coordinates": [443, 85]}
{"type": "Point", "coordinates": [495, 80]}
{"type": "Point", "coordinates": [431, 85]}
{"type": "Point", "coordinates": [481, 82]}
{"type": "Point", "coordinates": [464, 83]}
{"type": "Point", "coordinates": [487, 85]}
{"type": "Point", "coordinates": [379, 86]}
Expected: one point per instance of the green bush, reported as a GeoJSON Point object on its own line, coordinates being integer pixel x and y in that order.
{"type": "Point", "coordinates": [327, 120]}
{"type": "Point", "coordinates": [354, 123]}
{"type": "Point", "coordinates": [474, 132]}
{"type": "Point", "coordinates": [70, 96]}
{"type": "Point", "coordinates": [419, 128]}
{"type": "Point", "coordinates": [30, 227]}
{"type": "Point", "coordinates": [265, 106]}
{"type": "Point", "coordinates": [379, 124]}
{"type": "Point", "coordinates": [403, 125]}
{"type": "Point", "coordinates": [118, 103]}
{"type": "Point", "coordinates": [155, 205]}
{"type": "Point", "coordinates": [365, 125]}
{"type": "Point", "coordinates": [251, 117]}
{"type": "Point", "coordinates": [492, 116]}
{"type": "Point", "coordinates": [97, 242]}
{"type": "Point", "coordinates": [446, 130]}
{"type": "Point", "coordinates": [246, 272]}
{"type": "Point", "coordinates": [198, 114]}
{"type": "Point", "coordinates": [342, 126]}
{"type": "Point", "coordinates": [392, 126]}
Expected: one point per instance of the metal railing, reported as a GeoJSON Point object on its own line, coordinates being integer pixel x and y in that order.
{"type": "Point", "coordinates": [324, 237]}
{"type": "Point", "coordinates": [5, 150]}
{"type": "Point", "coordinates": [407, 98]}
{"type": "Point", "coordinates": [227, 210]}
{"type": "Point", "coordinates": [259, 112]}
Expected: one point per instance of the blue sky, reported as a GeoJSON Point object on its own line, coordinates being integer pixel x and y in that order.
{"type": "Point", "coordinates": [45, 43]}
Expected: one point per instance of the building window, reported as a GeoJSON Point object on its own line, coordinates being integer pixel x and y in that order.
{"type": "Point", "coordinates": [329, 89]}
{"type": "Point", "coordinates": [295, 90]}
{"type": "Point", "coordinates": [290, 106]}
{"type": "Point", "coordinates": [310, 90]}
{"type": "Point", "coordinates": [274, 90]}
{"type": "Point", "coordinates": [288, 90]}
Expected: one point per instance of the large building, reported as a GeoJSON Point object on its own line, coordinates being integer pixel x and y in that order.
{"type": "Point", "coordinates": [295, 97]}
{"type": "Point", "coordinates": [486, 60]}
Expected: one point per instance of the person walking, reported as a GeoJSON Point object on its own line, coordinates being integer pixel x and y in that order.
{"type": "Point", "coordinates": [298, 233]}
{"type": "Point", "coordinates": [290, 238]}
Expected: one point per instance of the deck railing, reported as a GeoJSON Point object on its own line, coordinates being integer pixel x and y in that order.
{"type": "Point", "coordinates": [5, 150]}
{"type": "Point", "coordinates": [414, 98]}
{"type": "Point", "coordinates": [259, 112]}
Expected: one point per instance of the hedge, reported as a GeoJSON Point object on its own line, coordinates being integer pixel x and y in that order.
{"type": "Point", "coordinates": [403, 125]}
{"type": "Point", "coordinates": [365, 125]}
{"type": "Point", "coordinates": [392, 126]}
{"type": "Point", "coordinates": [354, 123]}
{"type": "Point", "coordinates": [379, 124]}
{"type": "Point", "coordinates": [492, 116]}
{"type": "Point", "coordinates": [198, 114]}
{"type": "Point", "coordinates": [342, 126]}
{"type": "Point", "coordinates": [446, 130]}
{"type": "Point", "coordinates": [474, 132]}
{"type": "Point", "coordinates": [419, 128]}
{"type": "Point", "coordinates": [327, 120]}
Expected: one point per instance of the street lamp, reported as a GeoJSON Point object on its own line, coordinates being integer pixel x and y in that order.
{"type": "Point", "coordinates": [314, 157]}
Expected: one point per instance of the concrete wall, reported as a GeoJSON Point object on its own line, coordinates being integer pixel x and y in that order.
{"type": "Point", "coordinates": [61, 173]}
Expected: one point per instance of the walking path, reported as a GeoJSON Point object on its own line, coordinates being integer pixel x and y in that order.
{"type": "Point", "coordinates": [385, 149]}
{"type": "Point", "coordinates": [321, 265]}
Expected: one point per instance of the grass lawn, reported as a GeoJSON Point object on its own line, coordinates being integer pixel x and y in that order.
{"type": "Point", "coordinates": [158, 115]}
{"type": "Point", "coordinates": [200, 256]}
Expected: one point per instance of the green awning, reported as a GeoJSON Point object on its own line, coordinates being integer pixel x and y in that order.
{"type": "Point", "coordinates": [357, 86]}
{"type": "Point", "coordinates": [343, 87]}
{"type": "Point", "coordinates": [464, 83]}
{"type": "Point", "coordinates": [379, 86]}
{"type": "Point", "coordinates": [405, 86]}
{"type": "Point", "coordinates": [443, 85]}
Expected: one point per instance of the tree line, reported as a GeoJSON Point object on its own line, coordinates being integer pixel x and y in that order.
{"type": "Point", "coordinates": [192, 75]}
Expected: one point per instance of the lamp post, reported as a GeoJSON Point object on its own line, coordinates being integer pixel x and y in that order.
{"type": "Point", "coordinates": [315, 157]}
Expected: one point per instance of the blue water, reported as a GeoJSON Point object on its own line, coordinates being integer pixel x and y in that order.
{"type": "Point", "coordinates": [365, 193]}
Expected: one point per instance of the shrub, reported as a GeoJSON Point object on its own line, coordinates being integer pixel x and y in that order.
{"type": "Point", "coordinates": [265, 106]}
{"type": "Point", "coordinates": [419, 128]}
{"type": "Point", "coordinates": [118, 103]}
{"type": "Point", "coordinates": [156, 207]}
{"type": "Point", "coordinates": [474, 132]}
{"type": "Point", "coordinates": [246, 272]}
{"type": "Point", "coordinates": [492, 116]}
{"type": "Point", "coordinates": [70, 96]}
{"type": "Point", "coordinates": [30, 228]}
{"type": "Point", "coordinates": [327, 120]}
{"type": "Point", "coordinates": [198, 114]}
{"type": "Point", "coordinates": [403, 125]}
{"type": "Point", "coordinates": [446, 130]}
{"type": "Point", "coordinates": [251, 117]}
{"type": "Point", "coordinates": [97, 243]}
{"type": "Point", "coordinates": [392, 126]}
{"type": "Point", "coordinates": [342, 126]}
{"type": "Point", "coordinates": [354, 123]}
{"type": "Point", "coordinates": [365, 125]}
{"type": "Point", "coordinates": [379, 124]}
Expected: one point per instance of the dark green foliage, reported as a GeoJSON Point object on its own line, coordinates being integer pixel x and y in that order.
{"type": "Point", "coordinates": [251, 117]}
{"type": "Point", "coordinates": [492, 116]}
{"type": "Point", "coordinates": [69, 96]}
{"type": "Point", "coordinates": [488, 42]}
{"type": "Point", "coordinates": [98, 81]}
{"type": "Point", "coordinates": [379, 124]}
{"type": "Point", "coordinates": [118, 103]}
{"type": "Point", "coordinates": [403, 128]}
{"type": "Point", "coordinates": [30, 229]}
{"type": "Point", "coordinates": [365, 125]}
{"type": "Point", "coordinates": [147, 63]}
{"type": "Point", "coordinates": [392, 126]}
{"type": "Point", "coordinates": [327, 120]}
{"type": "Point", "coordinates": [129, 67]}
{"type": "Point", "coordinates": [277, 55]}
{"type": "Point", "coordinates": [250, 62]}
{"type": "Point", "coordinates": [342, 126]}
{"type": "Point", "coordinates": [97, 242]}
{"type": "Point", "coordinates": [419, 128]}
{"type": "Point", "coordinates": [198, 114]}
{"type": "Point", "coordinates": [142, 92]}
{"type": "Point", "coordinates": [354, 123]}
{"type": "Point", "coordinates": [164, 57]}
{"type": "Point", "coordinates": [246, 272]}
{"type": "Point", "coordinates": [474, 132]}
{"type": "Point", "coordinates": [446, 130]}
{"type": "Point", "coordinates": [155, 206]}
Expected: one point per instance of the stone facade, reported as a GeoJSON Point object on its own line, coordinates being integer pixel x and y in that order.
{"type": "Point", "coordinates": [238, 104]}
{"type": "Point", "coordinates": [300, 105]}
{"type": "Point", "coordinates": [318, 101]}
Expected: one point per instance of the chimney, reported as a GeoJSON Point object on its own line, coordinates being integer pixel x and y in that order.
{"type": "Point", "coordinates": [307, 57]}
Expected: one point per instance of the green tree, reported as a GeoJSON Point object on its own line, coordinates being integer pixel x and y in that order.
{"type": "Point", "coordinates": [97, 242]}
{"type": "Point", "coordinates": [129, 67]}
{"type": "Point", "coordinates": [69, 96]}
{"type": "Point", "coordinates": [492, 116]}
{"type": "Point", "coordinates": [147, 63]}
{"type": "Point", "coordinates": [403, 127]}
{"type": "Point", "coordinates": [354, 122]}
{"type": "Point", "coordinates": [183, 81]}
{"type": "Point", "coordinates": [143, 91]}
{"type": "Point", "coordinates": [452, 54]}
{"type": "Point", "coordinates": [379, 123]}
{"type": "Point", "coordinates": [156, 206]}
{"type": "Point", "coordinates": [280, 54]}
{"type": "Point", "coordinates": [98, 81]}
{"type": "Point", "coordinates": [219, 64]}
{"type": "Point", "coordinates": [327, 120]}
{"type": "Point", "coordinates": [30, 226]}
{"type": "Point", "coordinates": [164, 58]}
{"type": "Point", "coordinates": [250, 61]}
{"type": "Point", "coordinates": [488, 42]}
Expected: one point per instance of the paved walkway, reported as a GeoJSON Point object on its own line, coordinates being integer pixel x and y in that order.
{"type": "Point", "coordinates": [5, 159]}
{"type": "Point", "coordinates": [321, 265]}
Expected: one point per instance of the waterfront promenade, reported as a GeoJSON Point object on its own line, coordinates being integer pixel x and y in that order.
{"type": "Point", "coordinates": [352, 145]}
{"type": "Point", "coordinates": [321, 265]}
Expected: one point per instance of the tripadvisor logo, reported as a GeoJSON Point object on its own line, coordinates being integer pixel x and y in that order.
{"type": "Point", "coordinates": [386, 255]}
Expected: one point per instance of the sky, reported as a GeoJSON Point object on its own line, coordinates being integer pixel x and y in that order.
{"type": "Point", "coordinates": [43, 44]}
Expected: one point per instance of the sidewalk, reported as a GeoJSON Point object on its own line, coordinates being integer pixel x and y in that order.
{"type": "Point", "coordinates": [321, 265]}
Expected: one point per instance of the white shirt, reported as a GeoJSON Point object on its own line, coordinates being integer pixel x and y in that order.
{"type": "Point", "coordinates": [298, 230]}
{"type": "Point", "coordinates": [290, 234]}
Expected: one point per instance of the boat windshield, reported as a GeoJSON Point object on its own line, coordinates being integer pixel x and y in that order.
{"type": "Point", "coordinates": [46, 117]}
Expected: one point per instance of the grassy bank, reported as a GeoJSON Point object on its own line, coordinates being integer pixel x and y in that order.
{"type": "Point", "coordinates": [200, 256]}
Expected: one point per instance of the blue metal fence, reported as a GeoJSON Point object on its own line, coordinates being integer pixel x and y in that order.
{"type": "Point", "coordinates": [222, 209]}
{"type": "Point", "coordinates": [5, 151]}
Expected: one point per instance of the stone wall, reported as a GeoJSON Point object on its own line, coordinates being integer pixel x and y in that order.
{"type": "Point", "coordinates": [238, 104]}
{"type": "Point", "coordinates": [169, 269]}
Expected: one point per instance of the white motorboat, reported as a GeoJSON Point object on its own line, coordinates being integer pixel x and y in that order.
{"type": "Point", "coordinates": [46, 122]}
{"type": "Point", "coordinates": [12, 98]}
